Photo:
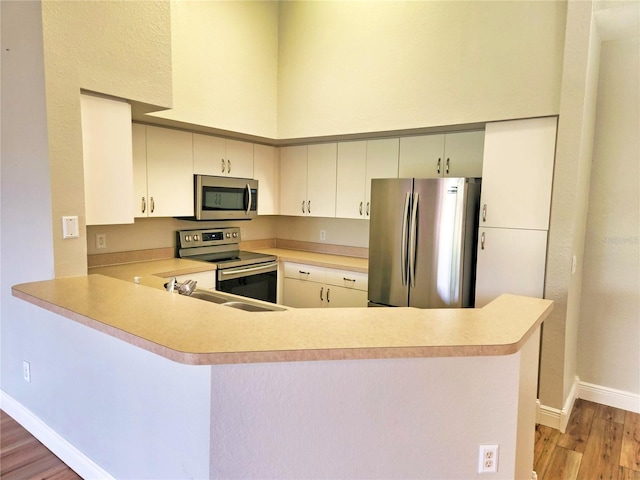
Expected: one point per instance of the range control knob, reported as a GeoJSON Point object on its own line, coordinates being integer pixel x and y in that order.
{"type": "Point", "coordinates": [196, 237]}
{"type": "Point", "coordinates": [187, 238]}
{"type": "Point", "coordinates": [228, 235]}
{"type": "Point", "coordinates": [235, 234]}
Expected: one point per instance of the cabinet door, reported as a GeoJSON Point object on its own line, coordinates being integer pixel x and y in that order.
{"type": "Point", "coordinates": [382, 162]}
{"type": "Point", "coordinates": [321, 180]}
{"type": "Point", "coordinates": [350, 179]}
{"type": "Point", "coordinates": [302, 294]}
{"type": "Point", "coordinates": [169, 172]}
{"type": "Point", "coordinates": [463, 154]}
{"type": "Point", "coordinates": [107, 157]}
{"type": "Point", "coordinates": [293, 180]}
{"type": "Point", "coordinates": [239, 159]}
{"type": "Point", "coordinates": [421, 156]}
{"type": "Point", "coordinates": [209, 155]}
{"type": "Point", "coordinates": [510, 261]}
{"type": "Point", "coordinates": [517, 173]}
{"type": "Point", "coordinates": [266, 169]}
{"type": "Point", "coordinates": [139, 144]}
{"type": "Point", "coordinates": [340, 297]}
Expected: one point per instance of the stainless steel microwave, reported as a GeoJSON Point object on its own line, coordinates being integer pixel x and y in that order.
{"type": "Point", "coordinates": [225, 198]}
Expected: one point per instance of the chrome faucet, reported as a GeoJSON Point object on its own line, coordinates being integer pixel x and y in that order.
{"type": "Point", "coordinates": [185, 288]}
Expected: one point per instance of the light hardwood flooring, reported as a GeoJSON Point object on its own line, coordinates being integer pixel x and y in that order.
{"type": "Point", "coordinates": [600, 443]}
{"type": "Point", "coordinates": [23, 457]}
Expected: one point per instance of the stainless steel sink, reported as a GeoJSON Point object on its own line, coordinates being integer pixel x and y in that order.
{"type": "Point", "coordinates": [209, 296]}
{"type": "Point", "coordinates": [231, 301]}
{"type": "Point", "coordinates": [252, 307]}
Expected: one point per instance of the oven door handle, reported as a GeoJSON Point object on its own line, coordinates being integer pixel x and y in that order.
{"type": "Point", "coordinates": [235, 271]}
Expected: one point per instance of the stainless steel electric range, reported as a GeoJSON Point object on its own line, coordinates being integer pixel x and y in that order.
{"type": "Point", "coordinates": [250, 274]}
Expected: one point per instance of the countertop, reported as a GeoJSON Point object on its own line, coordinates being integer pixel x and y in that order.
{"type": "Point", "coordinates": [319, 259]}
{"type": "Point", "coordinates": [192, 331]}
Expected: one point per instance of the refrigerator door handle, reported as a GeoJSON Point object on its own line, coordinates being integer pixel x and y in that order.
{"type": "Point", "coordinates": [403, 244]}
{"type": "Point", "coordinates": [413, 240]}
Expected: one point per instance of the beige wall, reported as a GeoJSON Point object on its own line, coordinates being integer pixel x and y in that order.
{"type": "Point", "coordinates": [609, 333]}
{"type": "Point", "coordinates": [225, 62]}
{"type": "Point", "coordinates": [117, 48]}
{"type": "Point", "coordinates": [348, 67]}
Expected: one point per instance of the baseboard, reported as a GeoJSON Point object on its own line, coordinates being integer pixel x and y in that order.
{"type": "Point", "coordinates": [610, 397]}
{"type": "Point", "coordinates": [559, 418]}
{"type": "Point", "coordinates": [66, 452]}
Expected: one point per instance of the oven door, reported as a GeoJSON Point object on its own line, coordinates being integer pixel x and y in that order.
{"type": "Point", "coordinates": [259, 281]}
{"type": "Point", "coordinates": [225, 198]}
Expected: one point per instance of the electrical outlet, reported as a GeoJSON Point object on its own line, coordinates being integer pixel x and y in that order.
{"type": "Point", "coordinates": [323, 234]}
{"type": "Point", "coordinates": [101, 240]}
{"type": "Point", "coordinates": [488, 459]}
{"type": "Point", "coordinates": [26, 371]}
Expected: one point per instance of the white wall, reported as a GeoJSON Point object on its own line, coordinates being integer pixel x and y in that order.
{"type": "Point", "coordinates": [609, 332]}
{"type": "Point", "coordinates": [225, 60]}
{"type": "Point", "coordinates": [350, 67]}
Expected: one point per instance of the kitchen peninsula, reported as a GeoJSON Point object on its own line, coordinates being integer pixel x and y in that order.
{"type": "Point", "coordinates": [226, 393]}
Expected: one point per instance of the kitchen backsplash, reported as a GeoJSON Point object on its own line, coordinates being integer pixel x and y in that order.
{"type": "Point", "coordinates": [157, 233]}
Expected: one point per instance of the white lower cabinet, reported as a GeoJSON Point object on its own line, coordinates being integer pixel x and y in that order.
{"type": "Point", "coordinates": [309, 286]}
{"type": "Point", "coordinates": [510, 261]}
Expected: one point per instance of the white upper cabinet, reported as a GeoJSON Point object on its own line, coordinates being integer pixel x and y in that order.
{"type": "Point", "coordinates": [293, 180]}
{"type": "Point", "coordinates": [107, 157]}
{"type": "Point", "coordinates": [321, 180]}
{"type": "Point", "coordinates": [517, 173]}
{"type": "Point", "coordinates": [441, 155]}
{"type": "Point", "coordinates": [382, 162]}
{"type": "Point", "coordinates": [351, 179]}
{"type": "Point", "coordinates": [266, 169]}
{"type": "Point", "coordinates": [169, 172]}
{"type": "Point", "coordinates": [308, 180]}
{"type": "Point", "coordinates": [140, 193]}
{"type": "Point", "coordinates": [222, 157]}
{"type": "Point", "coordinates": [358, 163]}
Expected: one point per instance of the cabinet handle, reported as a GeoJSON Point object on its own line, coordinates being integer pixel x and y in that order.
{"type": "Point", "coordinates": [309, 206]}
{"type": "Point", "coordinates": [482, 241]}
{"type": "Point", "coordinates": [153, 204]}
{"type": "Point", "coordinates": [223, 165]}
{"type": "Point", "coordinates": [438, 165]}
{"type": "Point", "coordinates": [228, 166]}
{"type": "Point", "coordinates": [367, 209]}
{"type": "Point", "coordinates": [303, 272]}
{"type": "Point", "coordinates": [349, 279]}
{"type": "Point", "coordinates": [302, 206]}
{"type": "Point", "coordinates": [446, 167]}
{"type": "Point", "coordinates": [360, 208]}
{"type": "Point", "coordinates": [321, 294]}
{"type": "Point", "coordinates": [484, 212]}
{"type": "Point", "coordinates": [328, 291]}
{"type": "Point", "coordinates": [144, 204]}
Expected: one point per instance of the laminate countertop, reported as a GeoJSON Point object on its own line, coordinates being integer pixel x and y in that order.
{"type": "Point", "coordinates": [193, 331]}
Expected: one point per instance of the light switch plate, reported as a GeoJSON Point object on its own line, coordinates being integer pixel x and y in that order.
{"type": "Point", "coordinates": [70, 227]}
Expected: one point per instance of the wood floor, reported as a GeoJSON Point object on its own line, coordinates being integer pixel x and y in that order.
{"type": "Point", "coordinates": [22, 457]}
{"type": "Point", "coordinates": [600, 443]}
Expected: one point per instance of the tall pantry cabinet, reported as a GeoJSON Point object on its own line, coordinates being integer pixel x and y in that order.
{"type": "Point", "coordinates": [515, 203]}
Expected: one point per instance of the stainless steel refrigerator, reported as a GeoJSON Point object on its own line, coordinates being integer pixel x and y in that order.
{"type": "Point", "coordinates": [422, 242]}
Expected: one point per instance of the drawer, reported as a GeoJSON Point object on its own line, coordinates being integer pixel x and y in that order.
{"type": "Point", "coordinates": [347, 279]}
{"type": "Point", "coordinates": [300, 271]}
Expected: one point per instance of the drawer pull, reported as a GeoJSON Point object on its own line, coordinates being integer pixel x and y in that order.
{"type": "Point", "coordinates": [303, 272]}
{"type": "Point", "coordinates": [349, 279]}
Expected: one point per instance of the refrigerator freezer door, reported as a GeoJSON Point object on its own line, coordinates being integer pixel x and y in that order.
{"type": "Point", "coordinates": [439, 243]}
{"type": "Point", "coordinates": [387, 251]}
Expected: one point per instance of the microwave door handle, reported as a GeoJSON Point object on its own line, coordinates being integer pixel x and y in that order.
{"type": "Point", "coordinates": [249, 202]}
